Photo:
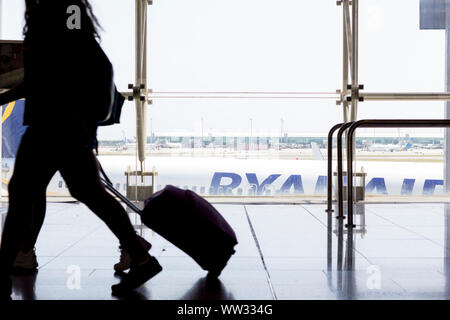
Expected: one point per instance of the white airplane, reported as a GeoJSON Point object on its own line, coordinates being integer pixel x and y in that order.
{"type": "Point", "coordinates": [240, 177]}
{"type": "Point", "coordinates": [433, 146]}
{"type": "Point", "coordinates": [165, 144]}
{"type": "Point", "coordinates": [390, 147]}
{"type": "Point", "coordinates": [127, 144]}
{"type": "Point", "coordinates": [256, 177]}
{"type": "Point", "coordinates": [171, 145]}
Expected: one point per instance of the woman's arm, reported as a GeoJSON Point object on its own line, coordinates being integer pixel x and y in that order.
{"type": "Point", "coordinates": [14, 94]}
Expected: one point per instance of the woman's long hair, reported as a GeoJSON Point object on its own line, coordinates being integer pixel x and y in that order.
{"type": "Point", "coordinates": [38, 11]}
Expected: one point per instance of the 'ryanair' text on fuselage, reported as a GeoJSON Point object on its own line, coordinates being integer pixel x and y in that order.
{"type": "Point", "coordinates": [230, 183]}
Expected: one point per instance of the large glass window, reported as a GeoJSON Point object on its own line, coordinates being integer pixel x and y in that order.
{"type": "Point", "coordinates": [244, 92]}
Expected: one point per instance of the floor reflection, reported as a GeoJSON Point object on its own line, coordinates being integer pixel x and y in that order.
{"type": "Point", "coordinates": [208, 289]}
{"type": "Point", "coordinates": [346, 237]}
{"type": "Point", "coordinates": [141, 293]}
{"type": "Point", "coordinates": [350, 282]}
{"type": "Point", "coordinates": [24, 285]}
{"type": "Point", "coordinates": [447, 249]}
{"type": "Point", "coordinates": [204, 289]}
{"type": "Point", "coordinates": [396, 251]}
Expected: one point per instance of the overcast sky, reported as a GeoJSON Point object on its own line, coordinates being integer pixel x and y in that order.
{"type": "Point", "coordinates": [262, 45]}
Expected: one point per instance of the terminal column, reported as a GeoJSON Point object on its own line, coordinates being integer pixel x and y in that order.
{"type": "Point", "coordinates": [447, 104]}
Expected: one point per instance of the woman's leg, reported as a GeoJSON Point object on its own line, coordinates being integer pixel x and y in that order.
{"type": "Point", "coordinates": [38, 214]}
{"type": "Point", "coordinates": [32, 173]}
{"type": "Point", "coordinates": [79, 169]}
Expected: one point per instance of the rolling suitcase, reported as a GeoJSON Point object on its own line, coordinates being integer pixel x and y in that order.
{"type": "Point", "coordinates": [192, 224]}
{"type": "Point", "coordinates": [189, 222]}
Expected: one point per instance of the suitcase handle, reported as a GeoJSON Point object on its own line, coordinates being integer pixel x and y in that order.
{"type": "Point", "coordinates": [130, 204]}
{"type": "Point", "coordinates": [110, 187]}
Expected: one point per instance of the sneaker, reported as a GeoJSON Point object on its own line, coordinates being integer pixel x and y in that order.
{"type": "Point", "coordinates": [138, 275]}
{"type": "Point", "coordinates": [26, 261]}
{"type": "Point", "coordinates": [125, 259]}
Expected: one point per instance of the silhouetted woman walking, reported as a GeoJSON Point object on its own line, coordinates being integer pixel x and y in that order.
{"type": "Point", "coordinates": [59, 68]}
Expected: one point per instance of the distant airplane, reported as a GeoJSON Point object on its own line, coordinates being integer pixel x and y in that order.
{"type": "Point", "coordinates": [126, 143]}
{"type": "Point", "coordinates": [432, 146]}
{"type": "Point", "coordinates": [171, 145]}
{"type": "Point", "coordinates": [390, 147]}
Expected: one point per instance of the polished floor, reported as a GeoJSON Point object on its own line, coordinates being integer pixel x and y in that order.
{"type": "Point", "coordinates": [400, 251]}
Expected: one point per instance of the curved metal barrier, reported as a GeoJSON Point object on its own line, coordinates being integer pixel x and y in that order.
{"type": "Point", "coordinates": [342, 128]}
{"type": "Point", "coordinates": [330, 164]}
{"type": "Point", "coordinates": [389, 123]}
{"type": "Point", "coordinates": [352, 126]}
{"type": "Point", "coordinates": [329, 196]}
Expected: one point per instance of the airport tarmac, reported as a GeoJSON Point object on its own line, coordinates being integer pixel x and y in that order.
{"type": "Point", "coordinates": [401, 251]}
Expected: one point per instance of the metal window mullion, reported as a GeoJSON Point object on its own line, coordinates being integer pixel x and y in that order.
{"type": "Point", "coordinates": [144, 76]}
{"type": "Point", "coordinates": [345, 57]}
{"type": "Point", "coordinates": [354, 60]}
{"type": "Point", "coordinates": [420, 96]}
{"type": "Point", "coordinates": [141, 6]}
{"type": "Point", "coordinates": [351, 145]}
{"type": "Point", "coordinates": [348, 39]}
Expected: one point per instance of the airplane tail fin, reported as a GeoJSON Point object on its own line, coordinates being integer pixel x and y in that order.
{"type": "Point", "coordinates": [317, 154]}
{"type": "Point", "coordinates": [408, 146]}
{"type": "Point", "coordinates": [12, 127]}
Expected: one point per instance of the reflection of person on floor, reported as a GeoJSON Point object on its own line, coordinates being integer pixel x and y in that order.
{"type": "Point", "coordinates": [61, 136]}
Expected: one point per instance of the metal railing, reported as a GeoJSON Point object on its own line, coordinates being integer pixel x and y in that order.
{"type": "Point", "coordinates": [330, 202]}
{"type": "Point", "coordinates": [351, 127]}
{"type": "Point", "coordinates": [389, 123]}
{"type": "Point", "coordinates": [340, 197]}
